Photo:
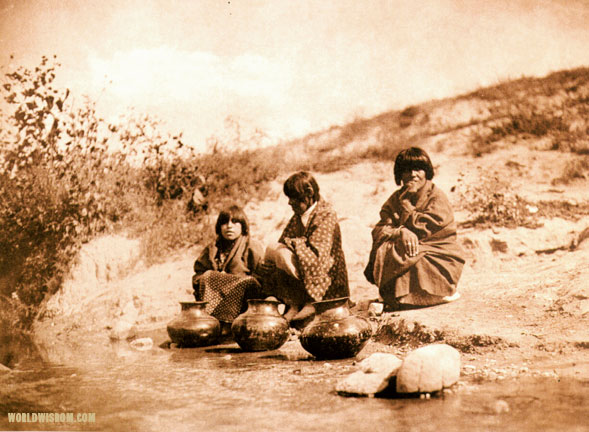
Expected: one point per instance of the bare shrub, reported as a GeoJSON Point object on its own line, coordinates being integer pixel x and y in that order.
{"type": "Point", "coordinates": [407, 115]}
{"type": "Point", "coordinates": [491, 203]}
{"type": "Point", "coordinates": [574, 170]}
{"type": "Point", "coordinates": [537, 124]}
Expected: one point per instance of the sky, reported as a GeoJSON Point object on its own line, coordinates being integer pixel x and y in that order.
{"type": "Point", "coordinates": [287, 67]}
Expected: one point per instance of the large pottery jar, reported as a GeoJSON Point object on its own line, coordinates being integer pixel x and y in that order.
{"type": "Point", "coordinates": [260, 327]}
{"type": "Point", "coordinates": [335, 333]}
{"type": "Point", "coordinates": [194, 327]}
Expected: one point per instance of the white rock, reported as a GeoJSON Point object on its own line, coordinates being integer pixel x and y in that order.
{"type": "Point", "coordinates": [381, 363]}
{"type": "Point", "coordinates": [500, 407]}
{"type": "Point", "coordinates": [122, 330]}
{"type": "Point", "coordinates": [373, 377]}
{"type": "Point", "coordinates": [376, 308]}
{"type": "Point", "coordinates": [361, 383]}
{"type": "Point", "coordinates": [429, 369]}
{"type": "Point", "coordinates": [142, 344]}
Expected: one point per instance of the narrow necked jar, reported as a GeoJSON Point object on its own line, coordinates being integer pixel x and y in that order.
{"type": "Point", "coordinates": [260, 327]}
{"type": "Point", "coordinates": [335, 332]}
{"type": "Point", "coordinates": [194, 327]}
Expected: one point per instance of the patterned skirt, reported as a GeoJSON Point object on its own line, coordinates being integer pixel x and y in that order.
{"type": "Point", "coordinates": [226, 294]}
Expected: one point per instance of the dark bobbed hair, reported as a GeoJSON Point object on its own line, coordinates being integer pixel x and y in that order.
{"type": "Point", "coordinates": [413, 158]}
{"type": "Point", "coordinates": [301, 185]}
{"type": "Point", "coordinates": [235, 214]}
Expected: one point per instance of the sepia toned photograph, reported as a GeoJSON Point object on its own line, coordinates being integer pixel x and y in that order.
{"type": "Point", "coordinates": [276, 215]}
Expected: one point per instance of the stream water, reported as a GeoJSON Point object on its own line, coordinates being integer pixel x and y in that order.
{"type": "Point", "coordinates": [223, 389]}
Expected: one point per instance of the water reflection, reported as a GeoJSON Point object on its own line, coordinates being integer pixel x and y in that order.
{"type": "Point", "coordinates": [222, 388]}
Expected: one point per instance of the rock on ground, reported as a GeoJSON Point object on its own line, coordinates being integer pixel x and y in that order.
{"type": "Point", "coordinates": [429, 369]}
{"type": "Point", "coordinates": [362, 384]}
{"type": "Point", "coordinates": [373, 377]}
{"type": "Point", "coordinates": [142, 344]}
{"type": "Point", "coordinates": [123, 330]}
{"type": "Point", "coordinates": [380, 363]}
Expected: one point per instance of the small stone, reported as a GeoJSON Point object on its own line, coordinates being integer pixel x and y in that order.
{"type": "Point", "coordinates": [376, 308]}
{"type": "Point", "coordinates": [142, 344]}
{"type": "Point", "coordinates": [123, 330]}
{"type": "Point", "coordinates": [500, 407]}
{"type": "Point", "coordinates": [429, 369]}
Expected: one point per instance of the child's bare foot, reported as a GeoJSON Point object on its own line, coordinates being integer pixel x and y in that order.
{"type": "Point", "coordinates": [304, 317]}
{"type": "Point", "coordinates": [291, 313]}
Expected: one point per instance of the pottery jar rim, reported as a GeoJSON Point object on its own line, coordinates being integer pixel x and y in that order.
{"type": "Point", "coordinates": [324, 305]}
{"type": "Point", "coordinates": [262, 306]}
{"type": "Point", "coordinates": [264, 301]}
{"type": "Point", "coordinates": [186, 305]}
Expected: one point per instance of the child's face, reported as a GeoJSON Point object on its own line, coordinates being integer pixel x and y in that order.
{"type": "Point", "coordinates": [299, 207]}
{"type": "Point", "coordinates": [231, 230]}
{"type": "Point", "coordinates": [414, 179]}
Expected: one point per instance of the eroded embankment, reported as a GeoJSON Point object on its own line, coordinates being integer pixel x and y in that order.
{"type": "Point", "coordinates": [512, 298]}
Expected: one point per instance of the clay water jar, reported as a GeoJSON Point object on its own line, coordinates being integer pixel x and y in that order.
{"type": "Point", "coordinates": [260, 327]}
{"type": "Point", "coordinates": [335, 333]}
{"type": "Point", "coordinates": [194, 327]}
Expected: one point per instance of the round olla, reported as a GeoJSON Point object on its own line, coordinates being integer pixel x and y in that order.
{"type": "Point", "coordinates": [335, 333]}
{"type": "Point", "coordinates": [194, 327]}
{"type": "Point", "coordinates": [260, 327]}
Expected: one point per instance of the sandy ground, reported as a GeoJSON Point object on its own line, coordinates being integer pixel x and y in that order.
{"type": "Point", "coordinates": [519, 310]}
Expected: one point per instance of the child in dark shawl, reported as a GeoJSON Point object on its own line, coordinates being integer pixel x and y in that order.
{"type": "Point", "coordinates": [415, 258]}
{"type": "Point", "coordinates": [223, 272]}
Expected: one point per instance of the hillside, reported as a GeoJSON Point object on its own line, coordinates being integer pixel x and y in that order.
{"type": "Point", "coordinates": [512, 158]}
